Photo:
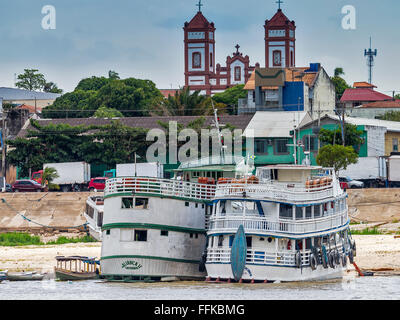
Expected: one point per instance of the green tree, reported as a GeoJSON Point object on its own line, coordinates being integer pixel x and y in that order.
{"type": "Point", "coordinates": [113, 75]}
{"type": "Point", "coordinates": [390, 116]}
{"type": "Point", "coordinates": [31, 80]}
{"type": "Point", "coordinates": [104, 112]}
{"type": "Point", "coordinates": [184, 103]}
{"type": "Point", "coordinates": [230, 97]}
{"type": "Point", "coordinates": [51, 87]}
{"type": "Point", "coordinates": [352, 136]}
{"type": "Point", "coordinates": [339, 83]}
{"type": "Point", "coordinates": [336, 156]}
{"type": "Point", "coordinates": [49, 174]}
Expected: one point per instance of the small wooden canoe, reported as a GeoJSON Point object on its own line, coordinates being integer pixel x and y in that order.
{"type": "Point", "coordinates": [67, 275]}
{"type": "Point", "coordinates": [25, 276]}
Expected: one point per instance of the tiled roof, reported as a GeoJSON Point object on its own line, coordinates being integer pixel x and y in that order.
{"type": "Point", "coordinates": [168, 92]}
{"type": "Point", "coordinates": [279, 19]}
{"type": "Point", "coordinates": [31, 109]}
{"type": "Point", "coordinates": [198, 21]}
{"type": "Point", "coordinates": [20, 94]}
{"type": "Point", "coordinates": [363, 94]}
{"type": "Point", "coordinates": [239, 122]}
{"type": "Point", "coordinates": [382, 104]}
{"type": "Point", "coordinates": [292, 74]}
{"type": "Point", "coordinates": [363, 85]}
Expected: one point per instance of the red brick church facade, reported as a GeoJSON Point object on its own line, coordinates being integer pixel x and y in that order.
{"type": "Point", "coordinates": [201, 72]}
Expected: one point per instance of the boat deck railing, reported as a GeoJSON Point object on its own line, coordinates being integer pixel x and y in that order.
{"type": "Point", "coordinates": [260, 256]}
{"type": "Point", "coordinates": [266, 225]}
{"type": "Point", "coordinates": [160, 187]}
{"type": "Point", "coordinates": [275, 191]}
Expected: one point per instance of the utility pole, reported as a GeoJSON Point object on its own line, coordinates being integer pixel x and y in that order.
{"type": "Point", "coordinates": [3, 146]}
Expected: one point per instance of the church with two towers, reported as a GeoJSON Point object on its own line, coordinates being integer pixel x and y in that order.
{"type": "Point", "coordinates": [204, 74]}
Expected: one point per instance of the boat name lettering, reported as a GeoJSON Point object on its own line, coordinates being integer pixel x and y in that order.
{"type": "Point", "coordinates": [131, 265]}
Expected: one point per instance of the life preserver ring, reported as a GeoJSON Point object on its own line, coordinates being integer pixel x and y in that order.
{"type": "Point", "coordinates": [331, 259]}
{"type": "Point", "coordinates": [324, 257]}
{"type": "Point", "coordinates": [313, 261]}
{"type": "Point", "coordinates": [298, 259]}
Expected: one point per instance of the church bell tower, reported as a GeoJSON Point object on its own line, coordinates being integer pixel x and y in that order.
{"type": "Point", "coordinates": [280, 41]}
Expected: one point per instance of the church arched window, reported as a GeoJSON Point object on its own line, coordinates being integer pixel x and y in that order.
{"type": "Point", "coordinates": [196, 60]}
{"type": "Point", "coordinates": [277, 58]}
{"type": "Point", "coordinates": [238, 73]}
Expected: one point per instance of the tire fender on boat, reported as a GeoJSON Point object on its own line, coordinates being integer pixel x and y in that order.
{"type": "Point", "coordinates": [331, 259]}
{"type": "Point", "coordinates": [344, 260]}
{"type": "Point", "coordinates": [351, 256]}
{"type": "Point", "coordinates": [324, 257]}
{"type": "Point", "coordinates": [313, 261]}
{"type": "Point", "coordinates": [298, 259]}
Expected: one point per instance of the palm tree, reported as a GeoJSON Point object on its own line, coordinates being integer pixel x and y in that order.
{"type": "Point", "coordinates": [184, 103]}
{"type": "Point", "coordinates": [49, 174]}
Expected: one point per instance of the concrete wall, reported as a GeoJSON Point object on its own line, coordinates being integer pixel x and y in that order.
{"type": "Point", "coordinates": [323, 93]}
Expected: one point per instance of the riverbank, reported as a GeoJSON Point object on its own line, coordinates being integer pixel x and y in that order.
{"type": "Point", "coordinates": [374, 252]}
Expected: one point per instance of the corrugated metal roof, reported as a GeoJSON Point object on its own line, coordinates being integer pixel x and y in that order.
{"type": "Point", "coordinates": [363, 94]}
{"type": "Point", "coordinates": [20, 94]}
{"type": "Point", "coordinates": [275, 124]}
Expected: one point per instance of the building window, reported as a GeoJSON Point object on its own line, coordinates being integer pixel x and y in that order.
{"type": "Point", "coordinates": [196, 60]}
{"type": "Point", "coordinates": [291, 58]}
{"type": "Point", "coordinates": [211, 59]}
{"type": "Point", "coordinates": [395, 143]}
{"type": "Point", "coordinates": [140, 235]}
{"type": "Point", "coordinates": [238, 73]}
{"type": "Point", "coordinates": [281, 146]}
{"type": "Point", "coordinates": [310, 143]}
{"type": "Point", "coordinates": [261, 146]}
{"type": "Point", "coordinates": [277, 58]}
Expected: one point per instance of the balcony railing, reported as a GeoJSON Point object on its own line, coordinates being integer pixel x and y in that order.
{"type": "Point", "coordinates": [284, 226]}
{"type": "Point", "coordinates": [161, 187]}
{"type": "Point", "coordinates": [274, 191]}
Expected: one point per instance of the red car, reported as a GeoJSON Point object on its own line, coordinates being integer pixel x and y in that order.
{"type": "Point", "coordinates": [97, 184]}
{"type": "Point", "coordinates": [27, 186]}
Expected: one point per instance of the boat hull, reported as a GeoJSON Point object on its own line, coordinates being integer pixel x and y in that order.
{"type": "Point", "coordinates": [64, 275]}
{"type": "Point", "coordinates": [32, 277]}
{"type": "Point", "coordinates": [223, 271]}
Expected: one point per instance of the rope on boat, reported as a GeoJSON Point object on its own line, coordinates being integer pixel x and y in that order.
{"type": "Point", "coordinates": [37, 223]}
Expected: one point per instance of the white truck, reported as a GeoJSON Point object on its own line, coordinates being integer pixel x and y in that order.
{"type": "Point", "coordinates": [393, 169]}
{"type": "Point", "coordinates": [73, 176]}
{"type": "Point", "coordinates": [148, 169]}
{"type": "Point", "coordinates": [371, 171]}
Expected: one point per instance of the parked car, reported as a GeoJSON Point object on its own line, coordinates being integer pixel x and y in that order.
{"type": "Point", "coordinates": [97, 184]}
{"type": "Point", "coordinates": [352, 183]}
{"type": "Point", "coordinates": [344, 185]}
{"type": "Point", "coordinates": [27, 186]}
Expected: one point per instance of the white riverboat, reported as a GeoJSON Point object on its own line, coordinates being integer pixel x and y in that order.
{"type": "Point", "coordinates": [94, 215]}
{"type": "Point", "coordinates": [287, 223]}
{"type": "Point", "coordinates": [154, 229]}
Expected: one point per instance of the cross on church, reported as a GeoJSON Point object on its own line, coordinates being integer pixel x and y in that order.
{"type": "Point", "coordinates": [199, 5]}
{"type": "Point", "coordinates": [279, 3]}
{"type": "Point", "coordinates": [237, 49]}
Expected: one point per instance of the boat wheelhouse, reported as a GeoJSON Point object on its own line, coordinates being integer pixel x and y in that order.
{"type": "Point", "coordinates": [287, 223]}
{"type": "Point", "coordinates": [94, 215]}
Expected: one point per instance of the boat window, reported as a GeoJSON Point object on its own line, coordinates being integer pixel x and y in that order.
{"type": "Point", "coordinates": [141, 203]}
{"type": "Point", "coordinates": [140, 235]}
{"type": "Point", "coordinates": [285, 211]}
{"type": "Point", "coordinates": [308, 243]}
{"type": "Point", "coordinates": [127, 203]}
{"type": "Point", "coordinates": [237, 207]}
{"type": "Point", "coordinates": [317, 211]}
{"type": "Point", "coordinates": [100, 219]}
{"type": "Point", "coordinates": [186, 204]}
{"type": "Point", "coordinates": [251, 207]}
{"type": "Point", "coordinates": [220, 241]}
{"type": "Point", "coordinates": [164, 233]}
{"type": "Point", "coordinates": [308, 212]}
{"type": "Point", "coordinates": [89, 211]}
{"type": "Point", "coordinates": [108, 232]}
{"type": "Point", "coordinates": [299, 213]}
{"type": "Point", "coordinates": [231, 240]}
{"type": "Point", "coordinates": [248, 242]}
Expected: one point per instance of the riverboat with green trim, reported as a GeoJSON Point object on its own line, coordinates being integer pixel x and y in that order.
{"type": "Point", "coordinates": [287, 223]}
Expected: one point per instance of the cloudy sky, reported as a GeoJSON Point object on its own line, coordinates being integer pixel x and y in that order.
{"type": "Point", "coordinates": [144, 38]}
